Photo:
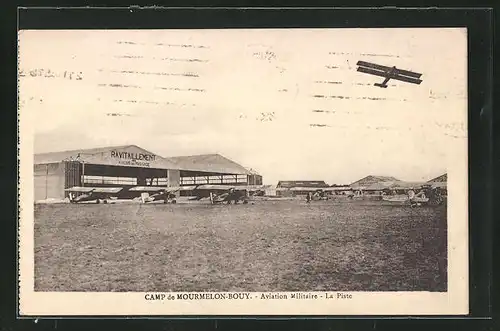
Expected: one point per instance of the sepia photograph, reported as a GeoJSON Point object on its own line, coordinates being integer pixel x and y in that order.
{"type": "Point", "coordinates": [232, 171]}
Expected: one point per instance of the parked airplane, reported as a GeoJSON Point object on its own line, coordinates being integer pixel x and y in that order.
{"type": "Point", "coordinates": [424, 194]}
{"type": "Point", "coordinates": [146, 194]}
{"type": "Point", "coordinates": [230, 194]}
{"type": "Point", "coordinates": [96, 194]}
{"type": "Point", "coordinates": [311, 193]}
{"type": "Point", "coordinates": [156, 193]}
{"type": "Point", "coordinates": [110, 194]}
{"type": "Point", "coordinates": [388, 73]}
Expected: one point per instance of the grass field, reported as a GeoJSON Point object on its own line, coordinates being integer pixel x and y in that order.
{"type": "Point", "coordinates": [269, 246]}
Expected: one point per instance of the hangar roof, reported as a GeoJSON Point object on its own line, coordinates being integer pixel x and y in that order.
{"type": "Point", "coordinates": [125, 155]}
{"type": "Point", "coordinates": [302, 183]}
{"type": "Point", "coordinates": [54, 157]}
{"type": "Point", "coordinates": [370, 180]}
{"type": "Point", "coordinates": [214, 163]}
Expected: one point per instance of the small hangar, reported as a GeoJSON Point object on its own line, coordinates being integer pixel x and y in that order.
{"type": "Point", "coordinates": [130, 165]}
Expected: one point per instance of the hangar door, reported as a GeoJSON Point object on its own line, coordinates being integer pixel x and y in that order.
{"type": "Point", "coordinates": [49, 181]}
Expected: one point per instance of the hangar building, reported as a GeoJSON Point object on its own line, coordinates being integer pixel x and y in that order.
{"type": "Point", "coordinates": [128, 166]}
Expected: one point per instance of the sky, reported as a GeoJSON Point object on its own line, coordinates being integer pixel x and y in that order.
{"type": "Point", "coordinates": [288, 103]}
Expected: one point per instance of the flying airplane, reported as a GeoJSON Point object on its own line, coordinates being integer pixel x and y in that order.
{"type": "Point", "coordinates": [388, 73]}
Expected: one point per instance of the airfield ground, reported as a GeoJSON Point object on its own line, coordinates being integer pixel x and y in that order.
{"type": "Point", "coordinates": [269, 246]}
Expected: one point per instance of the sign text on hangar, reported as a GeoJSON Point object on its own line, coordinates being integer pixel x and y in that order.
{"type": "Point", "coordinates": [133, 158]}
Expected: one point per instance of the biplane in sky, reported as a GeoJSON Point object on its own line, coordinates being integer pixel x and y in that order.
{"type": "Point", "coordinates": [388, 73]}
{"type": "Point", "coordinates": [217, 194]}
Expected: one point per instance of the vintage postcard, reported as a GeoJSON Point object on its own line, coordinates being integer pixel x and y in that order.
{"type": "Point", "coordinates": [243, 172]}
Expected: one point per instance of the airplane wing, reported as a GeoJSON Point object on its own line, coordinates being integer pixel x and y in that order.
{"type": "Point", "coordinates": [161, 188]}
{"type": "Point", "coordinates": [373, 72]}
{"type": "Point", "coordinates": [217, 187]}
{"type": "Point", "coordinates": [253, 187]}
{"type": "Point", "coordinates": [332, 189]}
{"type": "Point", "coordinates": [148, 189]}
{"type": "Point", "coordinates": [154, 193]}
{"type": "Point", "coordinates": [79, 189]}
{"type": "Point", "coordinates": [373, 66]}
{"type": "Point", "coordinates": [406, 79]}
{"type": "Point", "coordinates": [407, 73]}
{"type": "Point", "coordinates": [310, 189]}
